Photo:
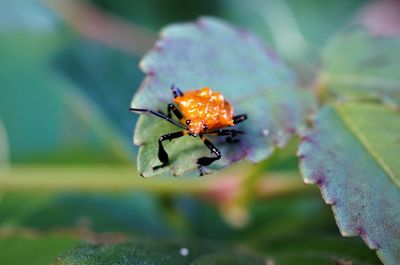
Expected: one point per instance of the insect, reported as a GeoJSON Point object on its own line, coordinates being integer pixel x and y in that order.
{"type": "Point", "coordinates": [201, 112]}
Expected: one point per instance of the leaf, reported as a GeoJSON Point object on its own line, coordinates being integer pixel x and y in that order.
{"type": "Point", "coordinates": [304, 248]}
{"type": "Point", "coordinates": [359, 66]}
{"type": "Point", "coordinates": [352, 155]}
{"type": "Point", "coordinates": [137, 213]}
{"type": "Point", "coordinates": [212, 53]}
{"type": "Point", "coordinates": [266, 18]}
{"type": "Point", "coordinates": [103, 75]}
{"type": "Point", "coordinates": [160, 251]}
{"type": "Point", "coordinates": [286, 229]}
{"type": "Point", "coordinates": [226, 259]}
{"type": "Point", "coordinates": [297, 229]}
{"type": "Point", "coordinates": [33, 250]}
{"type": "Point", "coordinates": [74, 130]}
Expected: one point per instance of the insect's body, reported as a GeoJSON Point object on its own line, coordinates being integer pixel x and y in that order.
{"type": "Point", "coordinates": [203, 112]}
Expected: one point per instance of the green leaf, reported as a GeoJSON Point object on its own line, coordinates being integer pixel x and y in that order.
{"type": "Point", "coordinates": [160, 251]}
{"type": "Point", "coordinates": [359, 66]}
{"type": "Point", "coordinates": [283, 231]}
{"type": "Point", "coordinates": [269, 19]}
{"type": "Point", "coordinates": [304, 248]}
{"type": "Point", "coordinates": [101, 212]}
{"type": "Point", "coordinates": [99, 72]}
{"type": "Point", "coordinates": [33, 249]}
{"type": "Point", "coordinates": [352, 154]}
{"type": "Point", "coordinates": [212, 53]}
{"type": "Point", "coordinates": [226, 259]}
{"type": "Point", "coordinates": [286, 228]}
{"type": "Point", "coordinates": [75, 130]}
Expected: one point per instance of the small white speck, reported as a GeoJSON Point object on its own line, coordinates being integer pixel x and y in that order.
{"type": "Point", "coordinates": [270, 262]}
{"type": "Point", "coordinates": [265, 132]}
{"type": "Point", "coordinates": [184, 251]}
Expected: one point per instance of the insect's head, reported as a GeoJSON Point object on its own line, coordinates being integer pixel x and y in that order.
{"type": "Point", "coordinates": [196, 126]}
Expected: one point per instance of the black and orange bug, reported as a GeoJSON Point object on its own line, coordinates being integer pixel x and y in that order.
{"type": "Point", "coordinates": [201, 112]}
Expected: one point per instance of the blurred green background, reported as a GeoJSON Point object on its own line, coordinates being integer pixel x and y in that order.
{"type": "Point", "coordinates": [68, 71]}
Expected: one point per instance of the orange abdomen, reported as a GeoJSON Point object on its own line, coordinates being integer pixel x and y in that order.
{"type": "Point", "coordinates": [205, 107]}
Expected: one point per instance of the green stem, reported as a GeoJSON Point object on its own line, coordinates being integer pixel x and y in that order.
{"type": "Point", "coordinates": [125, 178]}
{"type": "Point", "coordinates": [89, 178]}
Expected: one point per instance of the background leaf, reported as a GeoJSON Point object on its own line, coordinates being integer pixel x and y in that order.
{"type": "Point", "coordinates": [356, 171]}
{"type": "Point", "coordinates": [252, 77]}
{"type": "Point", "coordinates": [99, 71]}
{"type": "Point", "coordinates": [45, 116]}
{"type": "Point", "coordinates": [37, 250]}
{"type": "Point", "coordinates": [289, 228]}
{"type": "Point", "coordinates": [358, 66]}
{"type": "Point", "coordinates": [298, 30]}
{"type": "Point", "coordinates": [158, 252]}
{"type": "Point", "coordinates": [49, 119]}
{"type": "Point", "coordinates": [300, 243]}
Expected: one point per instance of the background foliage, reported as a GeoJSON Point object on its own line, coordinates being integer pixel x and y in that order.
{"type": "Point", "coordinates": [67, 163]}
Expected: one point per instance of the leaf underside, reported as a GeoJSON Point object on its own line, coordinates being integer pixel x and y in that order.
{"type": "Point", "coordinates": [251, 77]}
{"type": "Point", "coordinates": [350, 153]}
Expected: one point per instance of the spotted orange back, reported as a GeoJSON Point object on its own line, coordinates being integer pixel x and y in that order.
{"type": "Point", "coordinates": [205, 107]}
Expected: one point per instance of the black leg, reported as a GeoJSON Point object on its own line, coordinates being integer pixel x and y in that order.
{"type": "Point", "coordinates": [162, 154]}
{"type": "Point", "coordinates": [176, 91]}
{"type": "Point", "coordinates": [178, 114]}
{"type": "Point", "coordinates": [226, 132]}
{"type": "Point", "coordinates": [239, 118]}
{"type": "Point", "coordinates": [231, 133]}
{"type": "Point", "coordinates": [160, 115]}
{"type": "Point", "coordinates": [232, 140]}
{"type": "Point", "coordinates": [205, 161]}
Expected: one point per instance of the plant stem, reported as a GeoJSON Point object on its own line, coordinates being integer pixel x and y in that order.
{"type": "Point", "coordinates": [125, 178]}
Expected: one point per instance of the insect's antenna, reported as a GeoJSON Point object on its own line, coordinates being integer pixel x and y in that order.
{"type": "Point", "coordinates": [176, 91]}
{"type": "Point", "coordinates": [160, 115]}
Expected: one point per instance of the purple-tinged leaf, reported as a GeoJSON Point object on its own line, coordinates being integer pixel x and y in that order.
{"type": "Point", "coordinates": [352, 154]}
{"type": "Point", "coordinates": [232, 61]}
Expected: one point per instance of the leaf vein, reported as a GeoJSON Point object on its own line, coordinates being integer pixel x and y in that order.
{"type": "Point", "coordinates": [361, 137]}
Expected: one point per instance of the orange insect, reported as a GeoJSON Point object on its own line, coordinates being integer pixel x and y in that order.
{"type": "Point", "coordinates": [201, 112]}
